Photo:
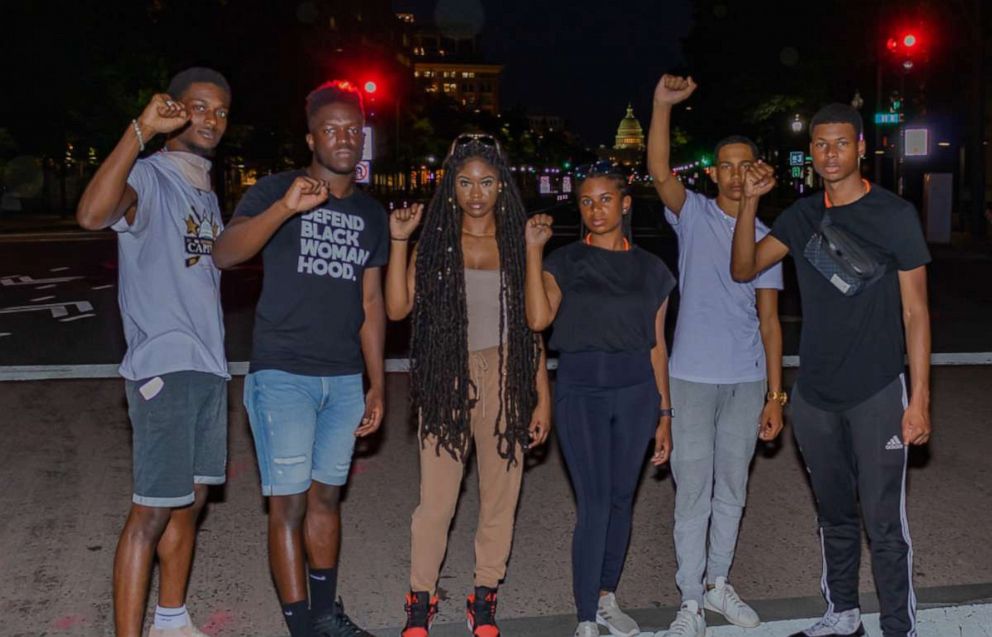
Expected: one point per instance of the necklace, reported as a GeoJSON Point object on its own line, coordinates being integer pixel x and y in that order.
{"type": "Point", "coordinates": [479, 236]}
{"type": "Point", "coordinates": [626, 244]}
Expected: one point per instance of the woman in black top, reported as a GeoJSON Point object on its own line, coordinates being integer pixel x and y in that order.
{"type": "Point", "coordinates": [607, 299]}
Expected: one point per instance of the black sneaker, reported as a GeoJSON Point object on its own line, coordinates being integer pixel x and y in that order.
{"type": "Point", "coordinates": [337, 624]}
{"type": "Point", "coordinates": [481, 612]}
{"type": "Point", "coordinates": [420, 611]}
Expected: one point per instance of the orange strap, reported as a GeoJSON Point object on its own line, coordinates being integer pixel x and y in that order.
{"type": "Point", "coordinates": [626, 244]}
{"type": "Point", "coordinates": [826, 198]}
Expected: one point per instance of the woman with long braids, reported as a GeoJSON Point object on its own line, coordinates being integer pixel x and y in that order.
{"type": "Point", "coordinates": [607, 299]}
{"type": "Point", "coordinates": [478, 374]}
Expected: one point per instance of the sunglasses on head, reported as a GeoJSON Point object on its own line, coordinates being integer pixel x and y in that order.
{"type": "Point", "coordinates": [479, 138]}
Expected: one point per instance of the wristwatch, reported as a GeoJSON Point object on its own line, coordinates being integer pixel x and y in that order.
{"type": "Point", "coordinates": [780, 397]}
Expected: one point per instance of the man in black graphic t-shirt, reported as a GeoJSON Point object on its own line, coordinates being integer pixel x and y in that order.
{"type": "Point", "coordinates": [319, 323]}
{"type": "Point", "coordinates": [851, 414]}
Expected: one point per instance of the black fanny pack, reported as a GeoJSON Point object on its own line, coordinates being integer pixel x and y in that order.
{"type": "Point", "coordinates": [841, 259]}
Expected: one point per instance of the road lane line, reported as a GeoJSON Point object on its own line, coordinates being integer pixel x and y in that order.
{"type": "Point", "coordinates": [61, 269]}
{"type": "Point", "coordinates": [103, 287]}
{"type": "Point", "coordinates": [42, 298]}
{"type": "Point", "coordinates": [76, 318]}
{"type": "Point", "coordinates": [45, 287]}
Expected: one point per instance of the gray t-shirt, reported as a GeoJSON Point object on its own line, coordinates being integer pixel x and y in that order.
{"type": "Point", "coordinates": [169, 286]}
{"type": "Point", "coordinates": [717, 335]}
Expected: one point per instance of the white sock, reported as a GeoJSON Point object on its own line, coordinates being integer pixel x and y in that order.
{"type": "Point", "coordinates": [171, 617]}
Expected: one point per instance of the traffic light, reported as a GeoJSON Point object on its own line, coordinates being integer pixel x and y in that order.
{"type": "Point", "coordinates": [907, 47]}
{"type": "Point", "coordinates": [370, 86]}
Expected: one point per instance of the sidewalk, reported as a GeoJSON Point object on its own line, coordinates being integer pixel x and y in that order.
{"type": "Point", "coordinates": [66, 464]}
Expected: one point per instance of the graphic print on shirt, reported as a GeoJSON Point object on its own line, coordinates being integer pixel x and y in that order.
{"type": "Point", "coordinates": [201, 230]}
{"type": "Point", "coordinates": [329, 244]}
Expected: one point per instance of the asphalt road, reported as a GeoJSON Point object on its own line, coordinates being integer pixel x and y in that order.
{"type": "Point", "coordinates": [58, 296]}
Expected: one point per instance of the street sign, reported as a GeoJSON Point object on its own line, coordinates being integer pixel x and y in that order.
{"type": "Point", "coordinates": [915, 142]}
{"type": "Point", "coordinates": [887, 118]}
{"type": "Point", "coordinates": [544, 185]}
{"type": "Point", "coordinates": [367, 145]}
{"type": "Point", "coordinates": [363, 172]}
{"type": "Point", "coordinates": [796, 158]}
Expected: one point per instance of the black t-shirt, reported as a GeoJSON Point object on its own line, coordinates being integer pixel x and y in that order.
{"type": "Point", "coordinates": [852, 346]}
{"type": "Point", "coordinates": [309, 315]}
{"type": "Point", "coordinates": [609, 298]}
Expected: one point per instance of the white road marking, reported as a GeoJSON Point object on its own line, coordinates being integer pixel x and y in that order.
{"type": "Point", "coordinates": [42, 298]}
{"type": "Point", "coordinates": [58, 310]}
{"type": "Point", "coordinates": [103, 287]}
{"type": "Point", "coordinates": [76, 318]}
{"type": "Point", "coordinates": [45, 287]}
{"type": "Point", "coordinates": [27, 280]}
{"type": "Point", "coordinates": [62, 269]}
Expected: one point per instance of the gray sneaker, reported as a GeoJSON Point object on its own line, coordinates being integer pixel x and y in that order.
{"type": "Point", "coordinates": [586, 629]}
{"type": "Point", "coordinates": [616, 621]}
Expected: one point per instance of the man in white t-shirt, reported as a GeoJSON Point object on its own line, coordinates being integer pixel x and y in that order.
{"type": "Point", "coordinates": [166, 215]}
{"type": "Point", "coordinates": [727, 354]}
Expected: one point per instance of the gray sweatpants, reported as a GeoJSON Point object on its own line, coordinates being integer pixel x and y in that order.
{"type": "Point", "coordinates": [714, 431]}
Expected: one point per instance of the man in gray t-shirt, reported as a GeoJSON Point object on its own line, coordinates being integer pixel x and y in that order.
{"type": "Point", "coordinates": [727, 352]}
{"type": "Point", "coordinates": [166, 216]}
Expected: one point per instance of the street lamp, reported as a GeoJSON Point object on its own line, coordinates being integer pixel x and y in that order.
{"type": "Point", "coordinates": [797, 124]}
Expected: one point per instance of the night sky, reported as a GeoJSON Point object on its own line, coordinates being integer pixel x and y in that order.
{"type": "Point", "coordinates": [579, 59]}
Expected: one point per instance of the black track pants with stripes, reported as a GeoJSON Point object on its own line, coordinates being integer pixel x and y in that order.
{"type": "Point", "coordinates": [857, 456]}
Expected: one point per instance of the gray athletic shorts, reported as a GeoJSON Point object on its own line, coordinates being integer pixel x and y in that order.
{"type": "Point", "coordinates": [179, 433]}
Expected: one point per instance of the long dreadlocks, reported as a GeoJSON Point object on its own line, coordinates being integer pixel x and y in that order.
{"type": "Point", "coordinates": [442, 392]}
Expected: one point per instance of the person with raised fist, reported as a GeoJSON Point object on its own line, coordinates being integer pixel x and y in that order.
{"type": "Point", "coordinates": [478, 378]}
{"type": "Point", "coordinates": [860, 260]}
{"type": "Point", "coordinates": [726, 369]}
{"type": "Point", "coordinates": [319, 324]}
{"type": "Point", "coordinates": [166, 216]}
{"type": "Point", "coordinates": [606, 298]}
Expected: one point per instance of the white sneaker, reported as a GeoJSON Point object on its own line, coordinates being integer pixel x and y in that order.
{"type": "Point", "coordinates": [835, 624]}
{"type": "Point", "coordinates": [189, 630]}
{"type": "Point", "coordinates": [587, 629]}
{"type": "Point", "coordinates": [689, 622]}
{"type": "Point", "coordinates": [616, 621]}
{"type": "Point", "coordinates": [723, 599]}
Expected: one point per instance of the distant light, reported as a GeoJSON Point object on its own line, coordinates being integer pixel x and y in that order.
{"type": "Point", "coordinates": [879, 152]}
{"type": "Point", "coordinates": [370, 87]}
{"type": "Point", "coordinates": [909, 40]}
{"type": "Point", "coordinates": [908, 64]}
{"type": "Point", "coordinates": [944, 144]}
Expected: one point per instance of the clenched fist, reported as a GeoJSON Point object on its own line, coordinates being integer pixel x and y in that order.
{"type": "Point", "coordinates": [305, 193]}
{"type": "Point", "coordinates": [538, 230]}
{"type": "Point", "coordinates": [404, 221]}
{"type": "Point", "coordinates": [162, 116]}
{"type": "Point", "coordinates": [672, 89]}
{"type": "Point", "coordinates": [759, 179]}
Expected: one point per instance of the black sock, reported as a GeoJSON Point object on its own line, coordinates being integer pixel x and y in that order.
{"type": "Point", "coordinates": [297, 616]}
{"type": "Point", "coordinates": [323, 590]}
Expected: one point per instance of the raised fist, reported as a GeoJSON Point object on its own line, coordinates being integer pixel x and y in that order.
{"type": "Point", "coordinates": [404, 221]}
{"type": "Point", "coordinates": [305, 193]}
{"type": "Point", "coordinates": [759, 179]}
{"type": "Point", "coordinates": [538, 230]}
{"type": "Point", "coordinates": [672, 89]}
{"type": "Point", "coordinates": [162, 115]}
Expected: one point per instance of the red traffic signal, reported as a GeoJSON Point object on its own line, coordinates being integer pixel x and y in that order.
{"type": "Point", "coordinates": [370, 87]}
{"type": "Point", "coordinates": [909, 40]}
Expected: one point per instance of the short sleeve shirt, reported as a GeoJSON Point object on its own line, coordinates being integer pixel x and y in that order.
{"type": "Point", "coordinates": [852, 346]}
{"type": "Point", "coordinates": [717, 335]}
{"type": "Point", "coordinates": [310, 312]}
{"type": "Point", "coordinates": [610, 299]}
{"type": "Point", "coordinates": [169, 287]}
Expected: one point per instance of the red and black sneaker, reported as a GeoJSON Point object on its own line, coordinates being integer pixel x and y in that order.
{"type": "Point", "coordinates": [420, 611]}
{"type": "Point", "coordinates": [481, 612]}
